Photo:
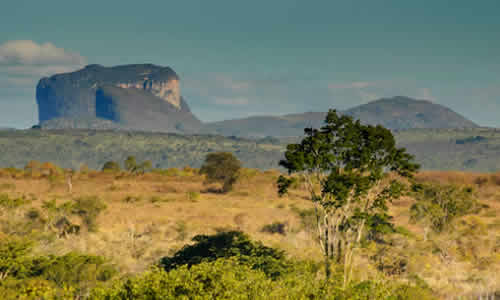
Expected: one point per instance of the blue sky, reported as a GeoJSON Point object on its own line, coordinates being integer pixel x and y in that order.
{"type": "Point", "coordinates": [240, 58]}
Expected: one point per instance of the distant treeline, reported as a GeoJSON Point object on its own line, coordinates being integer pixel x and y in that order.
{"type": "Point", "coordinates": [475, 149]}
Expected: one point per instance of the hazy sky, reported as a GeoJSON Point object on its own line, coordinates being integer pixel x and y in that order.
{"type": "Point", "coordinates": [239, 58]}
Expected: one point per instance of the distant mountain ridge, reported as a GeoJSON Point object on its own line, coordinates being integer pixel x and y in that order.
{"type": "Point", "coordinates": [395, 113]}
{"type": "Point", "coordinates": [146, 97]}
{"type": "Point", "coordinates": [407, 113]}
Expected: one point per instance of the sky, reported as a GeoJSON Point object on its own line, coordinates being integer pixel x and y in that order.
{"type": "Point", "coordinates": [241, 58]}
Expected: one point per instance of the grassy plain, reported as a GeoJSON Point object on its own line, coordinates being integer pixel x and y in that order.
{"type": "Point", "coordinates": [153, 215]}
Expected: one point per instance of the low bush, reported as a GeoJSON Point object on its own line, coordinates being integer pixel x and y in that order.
{"type": "Point", "coordinates": [24, 275]}
{"type": "Point", "coordinates": [89, 208]}
{"type": "Point", "coordinates": [7, 202]}
{"type": "Point", "coordinates": [193, 196]}
{"type": "Point", "coordinates": [438, 205]}
{"type": "Point", "coordinates": [276, 227]}
{"type": "Point", "coordinates": [132, 199]}
{"type": "Point", "coordinates": [230, 278]}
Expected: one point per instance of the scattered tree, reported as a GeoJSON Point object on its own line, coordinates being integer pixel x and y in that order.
{"type": "Point", "coordinates": [130, 164]}
{"type": "Point", "coordinates": [221, 167]}
{"type": "Point", "coordinates": [133, 167]}
{"type": "Point", "coordinates": [111, 166]}
{"type": "Point", "coordinates": [345, 166]}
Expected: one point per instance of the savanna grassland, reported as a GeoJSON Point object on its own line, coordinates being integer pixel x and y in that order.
{"type": "Point", "coordinates": [131, 221]}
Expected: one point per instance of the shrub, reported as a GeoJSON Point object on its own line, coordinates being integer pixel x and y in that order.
{"type": "Point", "coordinates": [193, 196]}
{"type": "Point", "coordinates": [495, 178]}
{"type": "Point", "coordinates": [438, 205]}
{"type": "Point", "coordinates": [130, 163]}
{"type": "Point", "coordinates": [111, 166]}
{"type": "Point", "coordinates": [73, 269]}
{"type": "Point", "coordinates": [89, 209]}
{"type": "Point", "coordinates": [48, 277]}
{"type": "Point", "coordinates": [33, 214]}
{"type": "Point", "coordinates": [14, 258]}
{"type": "Point", "coordinates": [276, 227]}
{"type": "Point", "coordinates": [221, 279]}
{"type": "Point", "coordinates": [284, 184]}
{"type": "Point", "coordinates": [230, 278]}
{"type": "Point", "coordinates": [132, 199]}
{"type": "Point", "coordinates": [221, 167]}
{"type": "Point", "coordinates": [156, 199]}
{"type": "Point", "coordinates": [228, 244]}
{"type": "Point", "coordinates": [13, 203]}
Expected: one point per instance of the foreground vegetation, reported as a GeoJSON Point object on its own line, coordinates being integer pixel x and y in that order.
{"type": "Point", "coordinates": [475, 149]}
{"type": "Point", "coordinates": [128, 235]}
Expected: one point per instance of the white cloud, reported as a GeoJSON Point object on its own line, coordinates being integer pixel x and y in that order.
{"type": "Point", "coordinates": [23, 62]}
{"type": "Point", "coordinates": [26, 52]}
{"type": "Point", "coordinates": [237, 101]}
{"type": "Point", "coordinates": [351, 85]}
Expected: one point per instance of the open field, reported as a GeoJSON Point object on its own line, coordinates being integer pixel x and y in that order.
{"type": "Point", "coordinates": [153, 215]}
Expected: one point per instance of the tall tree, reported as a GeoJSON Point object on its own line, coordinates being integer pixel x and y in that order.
{"type": "Point", "coordinates": [346, 167]}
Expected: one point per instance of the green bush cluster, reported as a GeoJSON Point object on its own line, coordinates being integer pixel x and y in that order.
{"type": "Point", "coordinates": [26, 276]}
{"type": "Point", "coordinates": [7, 202]}
{"type": "Point", "coordinates": [89, 208]}
{"type": "Point", "coordinates": [228, 265]}
{"type": "Point", "coordinates": [438, 205]}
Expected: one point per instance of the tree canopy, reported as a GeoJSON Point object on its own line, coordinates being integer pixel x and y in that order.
{"type": "Point", "coordinates": [221, 167]}
{"type": "Point", "coordinates": [345, 166]}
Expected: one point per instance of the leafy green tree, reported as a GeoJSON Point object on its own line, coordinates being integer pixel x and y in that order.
{"type": "Point", "coordinates": [221, 167]}
{"type": "Point", "coordinates": [111, 166]}
{"type": "Point", "coordinates": [345, 166]}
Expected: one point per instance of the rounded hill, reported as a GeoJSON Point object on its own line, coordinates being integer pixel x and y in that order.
{"type": "Point", "coordinates": [405, 113]}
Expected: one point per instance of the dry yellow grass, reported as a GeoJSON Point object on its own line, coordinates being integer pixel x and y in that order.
{"type": "Point", "coordinates": [153, 215]}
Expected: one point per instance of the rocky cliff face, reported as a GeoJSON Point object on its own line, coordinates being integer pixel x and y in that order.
{"type": "Point", "coordinates": [141, 97]}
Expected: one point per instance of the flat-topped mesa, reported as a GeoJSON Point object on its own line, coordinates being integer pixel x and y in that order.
{"type": "Point", "coordinates": [76, 95]}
